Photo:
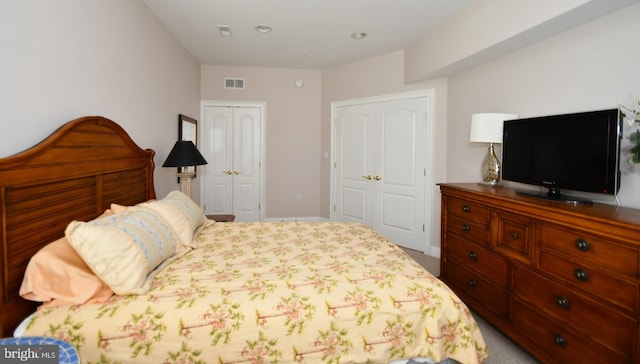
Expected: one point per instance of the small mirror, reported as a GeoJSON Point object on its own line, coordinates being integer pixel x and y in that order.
{"type": "Point", "coordinates": [187, 130]}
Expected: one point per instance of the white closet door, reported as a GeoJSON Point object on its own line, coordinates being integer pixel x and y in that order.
{"type": "Point", "coordinates": [246, 164]}
{"type": "Point", "coordinates": [232, 145]}
{"type": "Point", "coordinates": [354, 190]}
{"type": "Point", "coordinates": [217, 149]}
{"type": "Point", "coordinates": [380, 167]}
{"type": "Point", "coordinates": [400, 153]}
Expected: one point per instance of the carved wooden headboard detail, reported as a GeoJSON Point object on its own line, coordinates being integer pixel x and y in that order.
{"type": "Point", "coordinates": [74, 174]}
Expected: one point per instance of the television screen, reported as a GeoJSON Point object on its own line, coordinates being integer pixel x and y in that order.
{"type": "Point", "coordinates": [577, 152]}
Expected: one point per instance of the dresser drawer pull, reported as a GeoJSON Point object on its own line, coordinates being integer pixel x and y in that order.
{"type": "Point", "coordinates": [466, 228]}
{"type": "Point", "coordinates": [560, 340]}
{"type": "Point", "coordinates": [563, 302]}
{"type": "Point", "coordinates": [581, 275]}
{"type": "Point", "coordinates": [513, 235]}
{"type": "Point", "coordinates": [473, 283]}
{"type": "Point", "coordinates": [473, 256]}
{"type": "Point", "coordinates": [466, 208]}
{"type": "Point", "coordinates": [583, 245]}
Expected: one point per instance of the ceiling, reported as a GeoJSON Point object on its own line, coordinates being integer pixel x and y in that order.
{"type": "Point", "coordinates": [310, 34]}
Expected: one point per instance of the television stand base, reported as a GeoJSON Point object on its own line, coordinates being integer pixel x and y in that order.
{"type": "Point", "coordinates": [557, 197]}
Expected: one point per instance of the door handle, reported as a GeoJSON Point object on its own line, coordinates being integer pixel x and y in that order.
{"type": "Point", "coordinates": [377, 178]}
{"type": "Point", "coordinates": [236, 172]}
{"type": "Point", "coordinates": [367, 177]}
{"type": "Point", "coordinates": [227, 172]}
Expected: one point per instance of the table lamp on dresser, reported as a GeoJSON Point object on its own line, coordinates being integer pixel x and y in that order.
{"type": "Point", "coordinates": [487, 128]}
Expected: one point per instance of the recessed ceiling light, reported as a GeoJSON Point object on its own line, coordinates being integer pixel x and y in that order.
{"type": "Point", "coordinates": [263, 28]}
{"type": "Point", "coordinates": [225, 30]}
{"type": "Point", "coordinates": [358, 35]}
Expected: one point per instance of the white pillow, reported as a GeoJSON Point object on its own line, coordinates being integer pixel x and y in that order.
{"type": "Point", "coordinates": [184, 215]}
{"type": "Point", "coordinates": [125, 250]}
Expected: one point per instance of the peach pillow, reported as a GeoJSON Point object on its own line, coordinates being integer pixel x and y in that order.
{"type": "Point", "coordinates": [118, 209]}
{"type": "Point", "coordinates": [57, 275]}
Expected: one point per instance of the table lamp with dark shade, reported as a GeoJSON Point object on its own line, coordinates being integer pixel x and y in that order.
{"type": "Point", "coordinates": [184, 154]}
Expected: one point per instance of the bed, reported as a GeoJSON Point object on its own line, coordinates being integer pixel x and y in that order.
{"type": "Point", "coordinates": [176, 287]}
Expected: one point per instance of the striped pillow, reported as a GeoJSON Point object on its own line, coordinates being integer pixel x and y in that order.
{"type": "Point", "coordinates": [125, 250]}
{"type": "Point", "coordinates": [184, 215]}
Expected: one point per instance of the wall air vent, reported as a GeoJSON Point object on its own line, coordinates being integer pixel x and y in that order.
{"type": "Point", "coordinates": [234, 83]}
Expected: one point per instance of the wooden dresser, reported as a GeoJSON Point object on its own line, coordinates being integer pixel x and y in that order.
{"type": "Point", "coordinates": [562, 281]}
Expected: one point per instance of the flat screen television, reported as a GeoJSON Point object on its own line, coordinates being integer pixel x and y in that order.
{"type": "Point", "coordinates": [577, 152]}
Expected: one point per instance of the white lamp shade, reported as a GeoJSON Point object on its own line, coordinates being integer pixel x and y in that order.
{"type": "Point", "coordinates": [487, 127]}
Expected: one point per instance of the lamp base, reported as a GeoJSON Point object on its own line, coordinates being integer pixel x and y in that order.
{"type": "Point", "coordinates": [185, 182]}
{"type": "Point", "coordinates": [490, 167]}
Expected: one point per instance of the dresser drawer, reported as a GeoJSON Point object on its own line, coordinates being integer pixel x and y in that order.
{"type": "Point", "coordinates": [489, 265]}
{"type": "Point", "coordinates": [591, 249]}
{"type": "Point", "coordinates": [594, 319]}
{"type": "Point", "coordinates": [468, 210]}
{"type": "Point", "coordinates": [515, 236]}
{"type": "Point", "coordinates": [590, 280]}
{"type": "Point", "coordinates": [559, 342]}
{"type": "Point", "coordinates": [469, 230]}
{"type": "Point", "coordinates": [474, 285]}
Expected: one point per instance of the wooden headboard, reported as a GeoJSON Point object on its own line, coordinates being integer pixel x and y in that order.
{"type": "Point", "coordinates": [74, 174]}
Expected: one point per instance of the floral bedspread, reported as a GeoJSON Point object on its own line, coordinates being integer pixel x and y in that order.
{"type": "Point", "coordinates": [277, 293]}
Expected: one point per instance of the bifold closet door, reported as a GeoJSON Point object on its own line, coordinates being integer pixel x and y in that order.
{"type": "Point", "coordinates": [380, 168]}
{"type": "Point", "coordinates": [354, 163]}
{"type": "Point", "coordinates": [231, 146]}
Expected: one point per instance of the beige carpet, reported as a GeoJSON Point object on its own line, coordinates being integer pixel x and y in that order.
{"type": "Point", "coordinates": [501, 349]}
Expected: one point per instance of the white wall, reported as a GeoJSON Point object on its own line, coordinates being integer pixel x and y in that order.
{"type": "Point", "coordinates": [65, 59]}
{"type": "Point", "coordinates": [292, 159]}
{"type": "Point", "coordinates": [486, 29]}
{"type": "Point", "coordinates": [594, 66]}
